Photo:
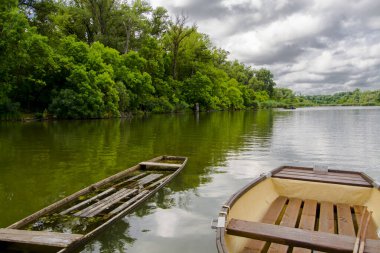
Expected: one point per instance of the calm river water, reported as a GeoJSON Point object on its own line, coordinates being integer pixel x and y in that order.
{"type": "Point", "coordinates": [43, 162]}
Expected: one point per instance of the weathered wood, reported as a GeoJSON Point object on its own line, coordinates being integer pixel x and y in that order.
{"type": "Point", "coordinates": [270, 217]}
{"type": "Point", "coordinates": [307, 222]}
{"type": "Point", "coordinates": [148, 179]}
{"type": "Point", "coordinates": [345, 223]}
{"type": "Point", "coordinates": [340, 174]}
{"type": "Point", "coordinates": [371, 230]}
{"type": "Point", "coordinates": [288, 220]}
{"type": "Point", "coordinates": [360, 232]}
{"type": "Point", "coordinates": [274, 210]}
{"type": "Point", "coordinates": [363, 235]}
{"type": "Point", "coordinates": [129, 202]}
{"type": "Point", "coordinates": [322, 178]}
{"type": "Point", "coordinates": [105, 203]}
{"type": "Point", "coordinates": [159, 182]}
{"type": "Point", "coordinates": [164, 165]}
{"type": "Point", "coordinates": [326, 218]}
{"type": "Point", "coordinates": [298, 237]}
{"type": "Point", "coordinates": [108, 182]}
{"type": "Point", "coordinates": [330, 175]}
{"type": "Point", "coordinates": [317, 176]}
{"type": "Point", "coordinates": [50, 239]}
{"type": "Point", "coordinates": [129, 180]}
{"type": "Point", "coordinates": [88, 201]}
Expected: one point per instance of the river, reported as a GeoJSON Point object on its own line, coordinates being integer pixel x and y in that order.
{"type": "Point", "coordinates": [41, 162]}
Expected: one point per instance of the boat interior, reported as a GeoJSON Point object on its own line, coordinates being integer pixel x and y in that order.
{"type": "Point", "coordinates": [295, 211]}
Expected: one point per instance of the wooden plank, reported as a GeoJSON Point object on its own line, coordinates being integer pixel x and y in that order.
{"type": "Point", "coordinates": [322, 179]}
{"type": "Point", "coordinates": [108, 204]}
{"type": "Point", "coordinates": [288, 220]}
{"type": "Point", "coordinates": [371, 229]}
{"type": "Point", "coordinates": [148, 179]}
{"type": "Point", "coordinates": [345, 223]}
{"type": "Point", "coordinates": [274, 210]}
{"type": "Point", "coordinates": [330, 175]}
{"type": "Point", "coordinates": [83, 203]}
{"type": "Point", "coordinates": [298, 237]}
{"type": "Point", "coordinates": [326, 218]}
{"type": "Point", "coordinates": [129, 180]}
{"type": "Point", "coordinates": [105, 203]}
{"type": "Point", "coordinates": [270, 217]}
{"type": "Point", "coordinates": [129, 202]}
{"type": "Point", "coordinates": [307, 222]}
{"type": "Point", "coordinates": [339, 174]}
{"type": "Point", "coordinates": [42, 238]}
{"type": "Point", "coordinates": [165, 165]}
{"type": "Point", "coordinates": [159, 182]}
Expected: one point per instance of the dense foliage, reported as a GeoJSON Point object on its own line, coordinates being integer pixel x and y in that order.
{"type": "Point", "coordinates": [356, 97]}
{"type": "Point", "coordinates": [103, 58]}
{"type": "Point", "coordinates": [106, 58]}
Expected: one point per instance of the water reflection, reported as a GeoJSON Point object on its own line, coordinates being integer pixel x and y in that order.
{"type": "Point", "coordinates": [41, 162]}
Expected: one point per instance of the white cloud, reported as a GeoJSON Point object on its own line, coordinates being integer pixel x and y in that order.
{"type": "Point", "coordinates": [315, 46]}
{"type": "Point", "coordinates": [249, 3]}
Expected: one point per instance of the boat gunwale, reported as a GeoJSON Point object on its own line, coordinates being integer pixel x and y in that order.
{"type": "Point", "coordinates": [88, 236]}
{"type": "Point", "coordinates": [220, 231]}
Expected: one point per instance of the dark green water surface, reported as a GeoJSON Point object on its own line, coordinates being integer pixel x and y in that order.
{"type": "Point", "coordinates": [42, 162]}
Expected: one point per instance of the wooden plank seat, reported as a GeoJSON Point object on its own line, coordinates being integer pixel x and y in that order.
{"type": "Point", "coordinates": [328, 177]}
{"type": "Point", "coordinates": [105, 203]}
{"type": "Point", "coordinates": [163, 165]}
{"type": "Point", "coordinates": [298, 237]}
{"type": "Point", "coordinates": [42, 238]}
{"type": "Point", "coordinates": [323, 218]}
{"type": "Point", "coordinates": [270, 217]}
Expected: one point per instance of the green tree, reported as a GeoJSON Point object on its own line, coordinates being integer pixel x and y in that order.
{"type": "Point", "coordinates": [266, 82]}
{"type": "Point", "coordinates": [197, 89]}
{"type": "Point", "coordinates": [160, 22]}
{"type": "Point", "coordinates": [26, 60]}
{"type": "Point", "coordinates": [174, 37]}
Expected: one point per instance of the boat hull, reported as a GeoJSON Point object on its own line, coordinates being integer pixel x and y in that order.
{"type": "Point", "coordinates": [253, 201]}
{"type": "Point", "coordinates": [67, 205]}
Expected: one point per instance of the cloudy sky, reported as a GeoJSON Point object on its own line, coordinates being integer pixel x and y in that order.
{"type": "Point", "coordinates": [311, 46]}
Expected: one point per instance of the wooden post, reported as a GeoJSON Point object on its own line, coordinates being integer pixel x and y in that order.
{"type": "Point", "coordinates": [196, 107]}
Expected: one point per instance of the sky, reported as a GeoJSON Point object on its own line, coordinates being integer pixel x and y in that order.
{"type": "Point", "coordinates": [311, 46]}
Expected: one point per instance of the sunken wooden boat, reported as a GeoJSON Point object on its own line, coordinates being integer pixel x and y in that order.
{"type": "Point", "coordinates": [74, 220]}
{"type": "Point", "coordinates": [298, 209]}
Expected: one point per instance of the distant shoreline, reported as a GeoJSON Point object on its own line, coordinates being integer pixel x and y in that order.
{"type": "Point", "coordinates": [28, 117]}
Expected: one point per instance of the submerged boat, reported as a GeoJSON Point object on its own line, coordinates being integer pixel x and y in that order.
{"type": "Point", "coordinates": [298, 209]}
{"type": "Point", "coordinates": [74, 220]}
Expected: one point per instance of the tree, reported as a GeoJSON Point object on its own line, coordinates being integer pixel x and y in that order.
{"type": "Point", "coordinates": [159, 22]}
{"type": "Point", "coordinates": [176, 34]}
{"type": "Point", "coordinates": [197, 89]}
{"type": "Point", "coordinates": [134, 21]}
{"type": "Point", "coordinates": [266, 77]}
{"type": "Point", "coordinates": [26, 60]}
